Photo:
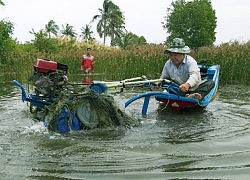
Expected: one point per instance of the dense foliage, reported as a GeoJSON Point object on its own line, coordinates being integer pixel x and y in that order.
{"type": "Point", "coordinates": [117, 64]}
{"type": "Point", "coordinates": [7, 44]}
{"type": "Point", "coordinates": [129, 39]}
{"type": "Point", "coordinates": [195, 22]}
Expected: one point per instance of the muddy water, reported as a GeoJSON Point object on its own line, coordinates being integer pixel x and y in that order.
{"type": "Point", "coordinates": [210, 143]}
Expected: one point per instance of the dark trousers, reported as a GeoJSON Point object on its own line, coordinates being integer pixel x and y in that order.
{"type": "Point", "coordinates": [204, 88]}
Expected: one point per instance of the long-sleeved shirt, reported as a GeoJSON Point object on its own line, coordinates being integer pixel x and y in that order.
{"type": "Point", "coordinates": [188, 71]}
{"type": "Point", "coordinates": [88, 62]}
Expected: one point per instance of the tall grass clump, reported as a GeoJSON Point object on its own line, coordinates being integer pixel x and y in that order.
{"type": "Point", "coordinates": [234, 59]}
{"type": "Point", "coordinates": [140, 60]}
{"type": "Point", "coordinates": [116, 64]}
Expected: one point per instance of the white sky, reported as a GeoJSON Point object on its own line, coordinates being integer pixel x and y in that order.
{"type": "Point", "coordinates": [142, 17]}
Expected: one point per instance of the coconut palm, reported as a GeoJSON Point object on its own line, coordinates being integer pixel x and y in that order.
{"type": "Point", "coordinates": [125, 41]}
{"type": "Point", "coordinates": [51, 28]}
{"type": "Point", "coordinates": [128, 39]}
{"type": "Point", "coordinates": [110, 20]}
{"type": "Point", "coordinates": [116, 26]}
{"type": "Point", "coordinates": [68, 31]}
{"type": "Point", "coordinates": [2, 3]}
{"type": "Point", "coordinates": [86, 33]}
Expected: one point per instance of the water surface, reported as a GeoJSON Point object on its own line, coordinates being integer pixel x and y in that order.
{"type": "Point", "coordinates": [209, 143]}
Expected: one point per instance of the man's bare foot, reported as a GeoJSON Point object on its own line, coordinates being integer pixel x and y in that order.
{"type": "Point", "coordinates": [194, 95]}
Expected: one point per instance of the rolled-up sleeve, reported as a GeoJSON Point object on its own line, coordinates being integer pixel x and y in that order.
{"type": "Point", "coordinates": [194, 79]}
{"type": "Point", "coordinates": [194, 74]}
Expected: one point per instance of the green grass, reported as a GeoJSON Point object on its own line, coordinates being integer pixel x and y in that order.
{"type": "Point", "coordinates": [116, 64]}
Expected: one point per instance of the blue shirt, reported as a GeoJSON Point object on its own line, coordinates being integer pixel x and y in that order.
{"type": "Point", "coordinates": [188, 71]}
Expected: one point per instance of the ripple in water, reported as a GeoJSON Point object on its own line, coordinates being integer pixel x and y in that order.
{"type": "Point", "coordinates": [210, 143]}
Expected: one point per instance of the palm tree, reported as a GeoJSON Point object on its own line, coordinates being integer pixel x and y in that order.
{"type": "Point", "coordinates": [86, 33]}
{"type": "Point", "coordinates": [110, 20]}
{"type": "Point", "coordinates": [2, 3]}
{"type": "Point", "coordinates": [128, 39]}
{"type": "Point", "coordinates": [116, 26]}
{"type": "Point", "coordinates": [51, 28]}
{"type": "Point", "coordinates": [125, 41]}
{"type": "Point", "coordinates": [68, 31]}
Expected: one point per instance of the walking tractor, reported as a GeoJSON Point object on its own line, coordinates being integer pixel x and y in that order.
{"type": "Point", "coordinates": [64, 106]}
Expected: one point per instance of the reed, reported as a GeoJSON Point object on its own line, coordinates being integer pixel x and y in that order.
{"type": "Point", "coordinates": [234, 59]}
{"type": "Point", "coordinates": [117, 64]}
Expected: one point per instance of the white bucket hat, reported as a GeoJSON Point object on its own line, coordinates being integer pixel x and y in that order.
{"type": "Point", "coordinates": [178, 46]}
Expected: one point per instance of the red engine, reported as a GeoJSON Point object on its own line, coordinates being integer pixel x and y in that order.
{"type": "Point", "coordinates": [45, 66]}
{"type": "Point", "coordinates": [49, 76]}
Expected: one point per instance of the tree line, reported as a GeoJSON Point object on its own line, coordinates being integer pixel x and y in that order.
{"type": "Point", "coordinates": [110, 23]}
{"type": "Point", "coordinates": [194, 21]}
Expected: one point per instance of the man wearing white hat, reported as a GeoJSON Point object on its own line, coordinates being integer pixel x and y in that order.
{"type": "Point", "coordinates": [182, 69]}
